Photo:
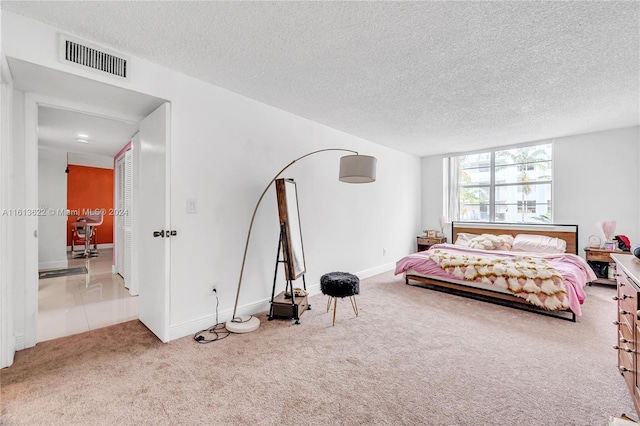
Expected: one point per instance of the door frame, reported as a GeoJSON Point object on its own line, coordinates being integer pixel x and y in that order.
{"type": "Point", "coordinates": [7, 337]}
{"type": "Point", "coordinates": [32, 102]}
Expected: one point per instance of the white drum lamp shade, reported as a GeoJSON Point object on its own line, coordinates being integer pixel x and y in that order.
{"type": "Point", "coordinates": [358, 169]}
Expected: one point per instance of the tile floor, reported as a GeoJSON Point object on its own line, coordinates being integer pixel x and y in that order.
{"type": "Point", "coordinates": [79, 303]}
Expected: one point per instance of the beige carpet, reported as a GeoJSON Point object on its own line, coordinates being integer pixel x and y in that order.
{"type": "Point", "coordinates": [413, 357]}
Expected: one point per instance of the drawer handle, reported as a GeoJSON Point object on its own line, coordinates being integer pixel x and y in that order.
{"type": "Point", "coordinates": [623, 369]}
{"type": "Point", "coordinates": [623, 312]}
{"type": "Point", "coordinates": [624, 349]}
{"type": "Point", "coordinates": [624, 296]}
{"type": "Point", "coordinates": [623, 340]}
{"type": "Point", "coordinates": [617, 323]}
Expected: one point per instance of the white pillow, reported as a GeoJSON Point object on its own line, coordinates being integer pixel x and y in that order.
{"type": "Point", "coordinates": [464, 238]}
{"type": "Point", "coordinates": [491, 242]}
{"type": "Point", "coordinates": [538, 244]}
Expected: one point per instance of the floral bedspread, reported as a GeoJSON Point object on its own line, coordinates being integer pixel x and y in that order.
{"type": "Point", "coordinates": [531, 278]}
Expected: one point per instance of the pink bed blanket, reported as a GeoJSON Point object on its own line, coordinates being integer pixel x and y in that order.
{"type": "Point", "coordinates": [566, 290]}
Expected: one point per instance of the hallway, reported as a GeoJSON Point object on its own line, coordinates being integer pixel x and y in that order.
{"type": "Point", "coordinates": [78, 303]}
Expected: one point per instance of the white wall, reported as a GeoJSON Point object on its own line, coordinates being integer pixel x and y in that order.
{"type": "Point", "coordinates": [52, 200]}
{"type": "Point", "coordinates": [224, 149]}
{"type": "Point", "coordinates": [596, 178]}
{"type": "Point", "coordinates": [91, 160]}
{"type": "Point", "coordinates": [432, 194]}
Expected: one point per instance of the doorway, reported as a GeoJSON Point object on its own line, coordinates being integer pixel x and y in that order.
{"type": "Point", "coordinates": [94, 98]}
{"type": "Point", "coordinates": [77, 289]}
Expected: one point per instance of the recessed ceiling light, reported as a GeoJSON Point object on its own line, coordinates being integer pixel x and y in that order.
{"type": "Point", "coordinates": [80, 135]}
{"type": "Point", "coordinates": [82, 140]}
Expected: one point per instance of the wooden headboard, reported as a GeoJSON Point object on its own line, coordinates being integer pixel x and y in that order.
{"type": "Point", "coordinates": [569, 233]}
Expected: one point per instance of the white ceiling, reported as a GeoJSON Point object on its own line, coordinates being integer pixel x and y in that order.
{"type": "Point", "coordinates": [421, 77]}
{"type": "Point", "coordinates": [61, 129]}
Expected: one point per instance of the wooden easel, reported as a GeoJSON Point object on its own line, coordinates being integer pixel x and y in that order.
{"type": "Point", "coordinates": [296, 306]}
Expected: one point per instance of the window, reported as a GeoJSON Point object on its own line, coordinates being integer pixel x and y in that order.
{"type": "Point", "coordinates": [502, 185]}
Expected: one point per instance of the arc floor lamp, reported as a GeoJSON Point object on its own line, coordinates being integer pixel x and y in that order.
{"type": "Point", "coordinates": [353, 169]}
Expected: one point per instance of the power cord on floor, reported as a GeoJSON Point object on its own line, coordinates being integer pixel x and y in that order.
{"type": "Point", "coordinates": [219, 331]}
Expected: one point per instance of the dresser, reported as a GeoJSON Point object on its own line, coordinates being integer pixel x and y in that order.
{"type": "Point", "coordinates": [628, 322]}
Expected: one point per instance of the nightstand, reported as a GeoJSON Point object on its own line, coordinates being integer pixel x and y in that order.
{"type": "Point", "coordinates": [599, 259]}
{"type": "Point", "coordinates": [425, 242]}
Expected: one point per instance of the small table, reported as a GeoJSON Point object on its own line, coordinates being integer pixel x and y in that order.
{"type": "Point", "coordinates": [425, 242]}
{"type": "Point", "coordinates": [88, 223]}
{"type": "Point", "coordinates": [596, 257]}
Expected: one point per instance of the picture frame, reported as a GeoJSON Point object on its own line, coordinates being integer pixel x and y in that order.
{"type": "Point", "coordinates": [431, 233]}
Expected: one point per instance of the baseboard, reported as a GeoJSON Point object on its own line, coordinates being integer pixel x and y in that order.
{"type": "Point", "coordinates": [375, 271]}
{"type": "Point", "coordinates": [20, 342]}
{"type": "Point", "coordinates": [315, 288]}
{"type": "Point", "coordinates": [6, 358]}
{"type": "Point", "coordinates": [100, 246]}
{"type": "Point", "coordinates": [58, 264]}
{"type": "Point", "coordinates": [192, 327]}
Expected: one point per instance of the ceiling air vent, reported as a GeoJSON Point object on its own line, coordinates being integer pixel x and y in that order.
{"type": "Point", "coordinates": [92, 57]}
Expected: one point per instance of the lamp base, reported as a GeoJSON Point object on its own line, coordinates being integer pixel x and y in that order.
{"type": "Point", "coordinates": [243, 324]}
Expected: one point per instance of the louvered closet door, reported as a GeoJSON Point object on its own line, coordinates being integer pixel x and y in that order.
{"type": "Point", "coordinates": [119, 218]}
{"type": "Point", "coordinates": [128, 212]}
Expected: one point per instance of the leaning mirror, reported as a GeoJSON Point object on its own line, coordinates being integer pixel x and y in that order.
{"type": "Point", "coordinates": [290, 228]}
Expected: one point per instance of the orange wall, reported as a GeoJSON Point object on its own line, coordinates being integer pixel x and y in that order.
{"type": "Point", "coordinates": [90, 188]}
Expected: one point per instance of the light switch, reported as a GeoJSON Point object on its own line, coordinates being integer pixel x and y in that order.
{"type": "Point", "coordinates": [192, 206]}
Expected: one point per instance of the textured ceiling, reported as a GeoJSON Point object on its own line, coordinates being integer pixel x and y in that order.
{"type": "Point", "coordinates": [421, 77]}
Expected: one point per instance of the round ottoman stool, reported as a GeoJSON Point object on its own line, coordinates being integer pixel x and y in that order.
{"type": "Point", "coordinates": [340, 284]}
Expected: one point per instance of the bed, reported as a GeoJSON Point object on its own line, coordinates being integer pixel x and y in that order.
{"type": "Point", "coordinates": [527, 266]}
